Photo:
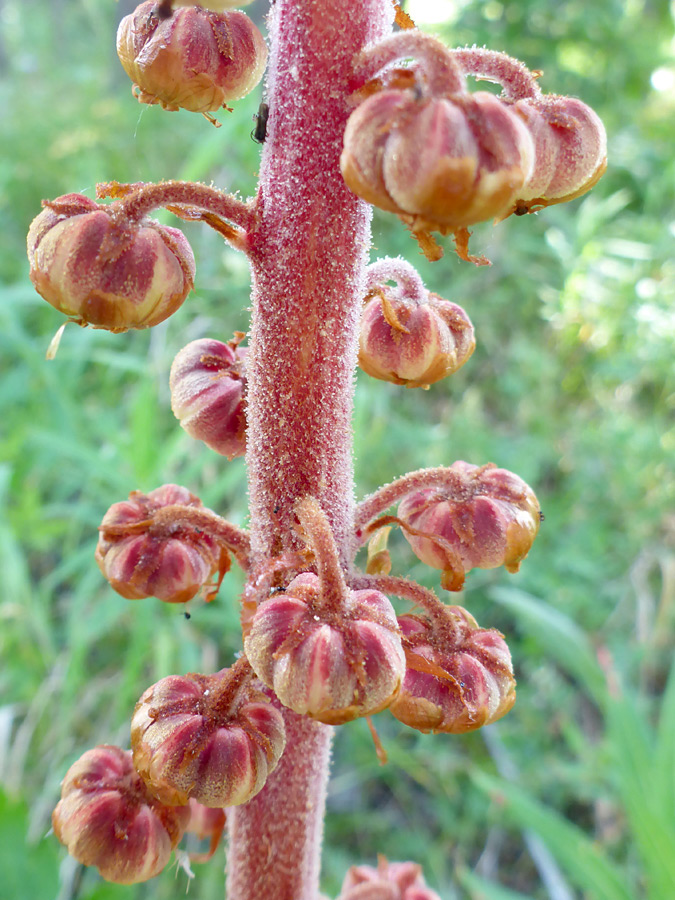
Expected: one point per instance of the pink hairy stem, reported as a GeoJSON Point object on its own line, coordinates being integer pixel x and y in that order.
{"type": "Point", "coordinates": [186, 199]}
{"type": "Point", "coordinates": [517, 81]}
{"type": "Point", "coordinates": [442, 74]}
{"type": "Point", "coordinates": [314, 523]}
{"type": "Point", "coordinates": [389, 494]}
{"type": "Point", "coordinates": [307, 255]}
{"type": "Point", "coordinates": [399, 270]}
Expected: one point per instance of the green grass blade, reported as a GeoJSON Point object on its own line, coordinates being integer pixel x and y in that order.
{"type": "Point", "coordinates": [664, 750]}
{"type": "Point", "coordinates": [640, 783]}
{"type": "Point", "coordinates": [482, 889]}
{"type": "Point", "coordinates": [558, 634]}
{"type": "Point", "coordinates": [585, 865]}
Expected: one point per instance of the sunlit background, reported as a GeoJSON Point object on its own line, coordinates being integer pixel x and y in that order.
{"type": "Point", "coordinates": [572, 386]}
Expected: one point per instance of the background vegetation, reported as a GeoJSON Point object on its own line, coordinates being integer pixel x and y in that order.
{"type": "Point", "coordinates": [572, 386]}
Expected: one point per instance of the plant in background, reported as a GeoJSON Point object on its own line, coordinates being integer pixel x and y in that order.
{"type": "Point", "coordinates": [348, 125]}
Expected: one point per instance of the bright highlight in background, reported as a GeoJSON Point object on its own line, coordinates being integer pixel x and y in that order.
{"type": "Point", "coordinates": [663, 79]}
{"type": "Point", "coordinates": [434, 12]}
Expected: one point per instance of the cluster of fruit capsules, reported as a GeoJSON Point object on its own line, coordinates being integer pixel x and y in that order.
{"type": "Point", "coordinates": [422, 146]}
{"type": "Point", "coordinates": [570, 143]}
{"type": "Point", "coordinates": [199, 743]}
{"type": "Point", "coordinates": [191, 58]}
{"type": "Point", "coordinates": [440, 157]}
{"type": "Point", "coordinates": [101, 268]}
{"type": "Point", "coordinates": [408, 335]}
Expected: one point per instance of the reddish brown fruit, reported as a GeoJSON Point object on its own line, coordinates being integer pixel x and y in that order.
{"type": "Point", "coordinates": [389, 881]}
{"type": "Point", "coordinates": [93, 264]}
{"type": "Point", "coordinates": [332, 665]}
{"type": "Point", "coordinates": [492, 520]}
{"type": "Point", "coordinates": [208, 394]}
{"type": "Point", "coordinates": [570, 150]}
{"type": "Point", "coordinates": [156, 545]}
{"type": "Point", "coordinates": [210, 738]}
{"type": "Point", "coordinates": [206, 823]}
{"type": "Point", "coordinates": [107, 818]}
{"type": "Point", "coordinates": [441, 163]}
{"type": "Point", "coordinates": [196, 59]}
{"type": "Point", "coordinates": [459, 677]}
{"type": "Point", "coordinates": [412, 343]}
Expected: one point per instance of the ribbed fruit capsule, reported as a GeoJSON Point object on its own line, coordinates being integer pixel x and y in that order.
{"type": "Point", "coordinates": [196, 59]}
{"type": "Point", "coordinates": [93, 264]}
{"type": "Point", "coordinates": [210, 738]}
{"type": "Point", "coordinates": [332, 665]}
{"type": "Point", "coordinates": [459, 677]}
{"type": "Point", "coordinates": [153, 545]}
{"type": "Point", "coordinates": [570, 147]}
{"type": "Point", "coordinates": [208, 394]}
{"type": "Point", "coordinates": [416, 344]}
{"type": "Point", "coordinates": [441, 163]}
{"type": "Point", "coordinates": [492, 520]}
{"type": "Point", "coordinates": [389, 881]}
{"type": "Point", "coordinates": [107, 818]}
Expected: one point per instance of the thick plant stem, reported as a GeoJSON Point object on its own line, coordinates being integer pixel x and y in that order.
{"type": "Point", "coordinates": [307, 257]}
{"type": "Point", "coordinates": [275, 839]}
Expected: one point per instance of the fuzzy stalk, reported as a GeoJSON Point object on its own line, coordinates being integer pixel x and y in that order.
{"type": "Point", "coordinates": [307, 255]}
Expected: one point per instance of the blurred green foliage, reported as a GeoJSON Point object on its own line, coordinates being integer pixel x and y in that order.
{"type": "Point", "coordinates": [572, 386]}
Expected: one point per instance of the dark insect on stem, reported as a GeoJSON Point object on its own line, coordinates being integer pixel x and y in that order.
{"type": "Point", "coordinates": [259, 133]}
{"type": "Point", "coordinates": [164, 9]}
{"type": "Point", "coordinates": [187, 615]}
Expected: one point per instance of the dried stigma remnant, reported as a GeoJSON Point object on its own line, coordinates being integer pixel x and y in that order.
{"type": "Point", "coordinates": [93, 263]}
